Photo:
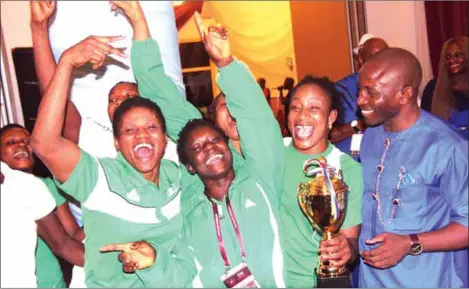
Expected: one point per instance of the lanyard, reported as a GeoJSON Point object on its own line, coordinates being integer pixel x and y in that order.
{"type": "Point", "coordinates": [219, 235]}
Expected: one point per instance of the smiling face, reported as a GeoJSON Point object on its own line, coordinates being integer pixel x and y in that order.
{"type": "Point", "coordinates": [309, 118]}
{"type": "Point", "coordinates": [141, 139]}
{"type": "Point", "coordinates": [224, 120]}
{"type": "Point", "coordinates": [15, 149]}
{"type": "Point", "coordinates": [379, 94]}
{"type": "Point", "coordinates": [208, 153]}
{"type": "Point", "coordinates": [119, 93]}
{"type": "Point", "coordinates": [456, 60]}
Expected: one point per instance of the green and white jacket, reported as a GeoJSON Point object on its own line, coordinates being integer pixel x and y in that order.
{"type": "Point", "coordinates": [119, 205]}
{"type": "Point", "coordinates": [254, 193]}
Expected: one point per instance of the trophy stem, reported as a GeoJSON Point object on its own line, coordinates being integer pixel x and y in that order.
{"type": "Point", "coordinates": [326, 269]}
{"type": "Point", "coordinates": [329, 276]}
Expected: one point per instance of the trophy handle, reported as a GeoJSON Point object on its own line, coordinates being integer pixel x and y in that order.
{"type": "Point", "coordinates": [308, 212]}
{"type": "Point", "coordinates": [322, 163]}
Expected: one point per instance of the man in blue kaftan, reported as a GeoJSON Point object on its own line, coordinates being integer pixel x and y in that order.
{"type": "Point", "coordinates": [415, 167]}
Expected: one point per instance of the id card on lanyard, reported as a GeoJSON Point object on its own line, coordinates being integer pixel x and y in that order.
{"type": "Point", "coordinates": [239, 276]}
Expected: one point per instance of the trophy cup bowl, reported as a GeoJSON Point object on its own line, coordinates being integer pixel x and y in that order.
{"type": "Point", "coordinates": [323, 200]}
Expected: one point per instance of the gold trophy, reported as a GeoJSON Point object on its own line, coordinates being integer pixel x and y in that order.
{"type": "Point", "coordinates": [323, 200]}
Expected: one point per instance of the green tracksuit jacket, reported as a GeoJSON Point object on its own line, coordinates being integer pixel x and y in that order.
{"type": "Point", "coordinates": [48, 271]}
{"type": "Point", "coordinates": [119, 205]}
{"type": "Point", "coordinates": [259, 175]}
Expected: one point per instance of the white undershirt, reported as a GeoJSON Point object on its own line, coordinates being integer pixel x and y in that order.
{"type": "Point", "coordinates": [24, 199]}
{"type": "Point", "coordinates": [76, 20]}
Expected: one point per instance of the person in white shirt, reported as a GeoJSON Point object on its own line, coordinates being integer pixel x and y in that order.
{"type": "Point", "coordinates": [76, 20]}
{"type": "Point", "coordinates": [92, 135]}
{"type": "Point", "coordinates": [26, 211]}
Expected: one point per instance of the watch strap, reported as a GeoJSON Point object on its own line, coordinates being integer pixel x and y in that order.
{"type": "Point", "coordinates": [414, 239]}
{"type": "Point", "coordinates": [354, 125]}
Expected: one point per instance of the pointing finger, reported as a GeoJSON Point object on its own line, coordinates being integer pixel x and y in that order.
{"type": "Point", "coordinates": [107, 39]}
{"type": "Point", "coordinates": [108, 49]}
{"type": "Point", "coordinates": [116, 247]}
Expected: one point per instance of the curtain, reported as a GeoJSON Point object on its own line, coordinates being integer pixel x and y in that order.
{"type": "Point", "coordinates": [260, 35]}
{"type": "Point", "coordinates": [384, 19]}
{"type": "Point", "coordinates": [185, 11]}
{"type": "Point", "coordinates": [445, 19]}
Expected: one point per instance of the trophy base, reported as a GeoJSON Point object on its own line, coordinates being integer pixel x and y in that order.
{"type": "Point", "coordinates": [341, 281]}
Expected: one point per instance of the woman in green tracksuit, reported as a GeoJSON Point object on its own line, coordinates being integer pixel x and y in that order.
{"type": "Point", "coordinates": [312, 109]}
{"type": "Point", "coordinates": [253, 187]}
{"type": "Point", "coordinates": [135, 196]}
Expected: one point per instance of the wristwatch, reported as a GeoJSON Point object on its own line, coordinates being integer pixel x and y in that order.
{"type": "Point", "coordinates": [416, 247]}
{"type": "Point", "coordinates": [354, 125]}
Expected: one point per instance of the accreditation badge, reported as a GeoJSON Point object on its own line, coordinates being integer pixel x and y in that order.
{"type": "Point", "coordinates": [239, 277]}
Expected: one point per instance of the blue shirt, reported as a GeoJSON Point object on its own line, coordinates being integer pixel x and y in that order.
{"type": "Point", "coordinates": [349, 107]}
{"type": "Point", "coordinates": [433, 193]}
{"type": "Point", "coordinates": [460, 119]}
{"type": "Point", "coordinates": [460, 114]}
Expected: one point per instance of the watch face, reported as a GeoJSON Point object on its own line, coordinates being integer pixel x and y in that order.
{"type": "Point", "coordinates": [354, 123]}
{"type": "Point", "coordinates": [416, 249]}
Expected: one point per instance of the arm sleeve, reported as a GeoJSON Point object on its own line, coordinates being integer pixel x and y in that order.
{"type": "Point", "coordinates": [260, 135]}
{"type": "Point", "coordinates": [454, 185]}
{"type": "Point", "coordinates": [54, 191]}
{"type": "Point", "coordinates": [353, 177]}
{"type": "Point", "coordinates": [156, 86]}
{"type": "Point", "coordinates": [172, 268]}
{"type": "Point", "coordinates": [83, 179]}
{"type": "Point", "coordinates": [41, 201]}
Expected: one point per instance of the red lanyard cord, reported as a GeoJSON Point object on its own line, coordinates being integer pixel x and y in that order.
{"type": "Point", "coordinates": [234, 222]}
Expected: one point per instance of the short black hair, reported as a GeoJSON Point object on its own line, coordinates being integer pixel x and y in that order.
{"type": "Point", "coordinates": [135, 102]}
{"type": "Point", "coordinates": [186, 131]}
{"type": "Point", "coordinates": [7, 127]}
{"type": "Point", "coordinates": [122, 82]}
{"type": "Point", "coordinates": [325, 84]}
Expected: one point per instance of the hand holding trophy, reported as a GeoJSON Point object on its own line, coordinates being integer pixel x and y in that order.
{"type": "Point", "coordinates": [323, 199]}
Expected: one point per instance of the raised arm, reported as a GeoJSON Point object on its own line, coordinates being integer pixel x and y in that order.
{"type": "Point", "coordinates": [41, 11]}
{"type": "Point", "coordinates": [259, 131]}
{"type": "Point", "coordinates": [59, 154]}
{"type": "Point", "coordinates": [153, 83]}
